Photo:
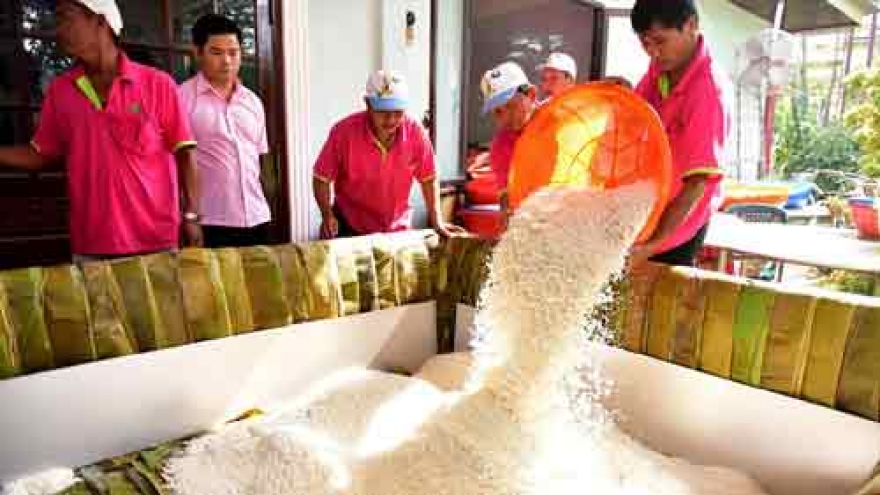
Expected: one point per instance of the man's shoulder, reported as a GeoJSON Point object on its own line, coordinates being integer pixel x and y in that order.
{"type": "Point", "coordinates": [189, 83]}
{"type": "Point", "coordinates": [350, 122]}
{"type": "Point", "coordinates": [251, 95]}
{"type": "Point", "coordinates": [148, 72]}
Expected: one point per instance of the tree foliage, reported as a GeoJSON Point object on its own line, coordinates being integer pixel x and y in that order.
{"type": "Point", "coordinates": [863, 118]}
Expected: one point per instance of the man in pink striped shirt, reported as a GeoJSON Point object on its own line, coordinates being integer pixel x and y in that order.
{"type": "Point", "coordinates": [229, 123]}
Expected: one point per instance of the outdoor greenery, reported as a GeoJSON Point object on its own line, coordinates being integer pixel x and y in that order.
{"type": "Point", "coordinates": [863, 119]}
{"type": "Point", "coordinates": [803, 144]}
{"type": "Point", "coordinates": [854, 283]}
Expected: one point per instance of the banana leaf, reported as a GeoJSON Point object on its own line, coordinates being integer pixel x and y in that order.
{"type": "Point", "coordinates": [383, 254]}
{"type": "Point", "coordinates": [10, 359]}
{"type": "Point", "coordinates": [236, 290]}
{"type": "Point", "coordinates": [716, 349]}
{"type": "Point", "coordinates": [832, 323]}
{"type": "Point", "coordinates": [110, 333]}
{"type": "Point", "coordinates": [24, 295]}
{"type": "Point", "coordinates": [265, 285]}
{"type": "Point", "coordinates": [785, 359]}
{"type": "Point", "coordinates": [750, 331]}
{"type": "Point", "coordinates": [204, 301]}
{"type": "Point", "coordinates": [689, 318]}
{"type": "Point", "coordinates": [296, 280]}
{"type": "Point", "coordinates": [661, 323]}
{"type": "Point", "coordinates": [859, 391]}
{"type": "Point", "coordinates": [323, 292]}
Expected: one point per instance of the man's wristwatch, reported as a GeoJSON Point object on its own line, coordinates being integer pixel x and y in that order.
{"type": "Point", "coordinates": [191, 217]}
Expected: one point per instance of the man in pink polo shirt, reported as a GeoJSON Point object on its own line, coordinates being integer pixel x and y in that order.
{"type": "Point", "coordinates": [229, 122]}
{"type": "Point", "coordinates": [511, 99]}
{"type": "Point", "coordinates": [370, 161]}
{"type": "Point", "coordinates": [558, 74]}
{"type": "Point", "coordinates": [119, 129]}
{"type": "Point", "coordinates": [692, 96]}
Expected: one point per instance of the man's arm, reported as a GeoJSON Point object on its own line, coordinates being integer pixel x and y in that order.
{"type": "Point", "coordinates": [323, 191]}
{"type": "Point", "coordinates": [677, 211]}
{"type": "Point", "coordinates": [431, 193]}
{"type": "Point", "coordinates": [23, 157]}
{"type": "Point", "coordinates": [188, 176]}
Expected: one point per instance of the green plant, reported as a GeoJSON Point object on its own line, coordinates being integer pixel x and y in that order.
{"type": "Point", "coordinates": [804, 146]}
{"type": "Point", "coordinates": [854, 283]}
{"type": "Point", "coordinates": [863, 119]}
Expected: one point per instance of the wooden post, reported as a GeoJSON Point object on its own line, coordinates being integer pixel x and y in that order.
{"type": "Point", "coordinates": [872, 37]}
{"type": "Point", "coordinates": [847, 68]}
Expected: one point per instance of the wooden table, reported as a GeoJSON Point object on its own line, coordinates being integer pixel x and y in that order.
{"type": "Point", "coordinates": [822, 247]}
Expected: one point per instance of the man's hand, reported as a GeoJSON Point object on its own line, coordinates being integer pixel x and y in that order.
{"type": "Point", "coordinates": [23, 157]}
{"type": "Point", "coordinates": [329, 227]}
{"type": "Point", "coordinates": [640, 254]}
{"type": "Point", "coordinates": [448, 229]}
{"type": "Point", "coordinates": [192, 235]}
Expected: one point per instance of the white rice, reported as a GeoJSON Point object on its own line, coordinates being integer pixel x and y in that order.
{"type": "Point", "coordinates": [521, 425]}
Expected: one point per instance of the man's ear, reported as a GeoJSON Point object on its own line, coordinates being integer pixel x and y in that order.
{"type": "Point", "coordinates": [692, 25]}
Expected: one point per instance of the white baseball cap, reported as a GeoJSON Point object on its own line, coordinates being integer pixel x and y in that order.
{"type": "Point", "coordinates": [500, 84]}
{"type": "Point", "coordinates": [561, 62]}
{"type": "Point", "coordinates": [387, 92]}
{"type": "Point", "coordinates": [108, 9]}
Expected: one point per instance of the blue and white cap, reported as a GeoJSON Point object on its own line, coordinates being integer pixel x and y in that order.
{"type": "Point", "coordinates": [387, 92]}
{"type": "Point", "coordinates": [500, 84]}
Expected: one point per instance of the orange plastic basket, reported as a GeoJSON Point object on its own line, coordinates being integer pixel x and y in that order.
{"type": "Point", "coordinates": [597, 135]}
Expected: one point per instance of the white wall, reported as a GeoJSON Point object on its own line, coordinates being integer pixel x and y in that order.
{"type": "Point", "coordinates": [624, 54]}
{"type": "Point", "coordinates": [412, 59]}
{"type": "Point", "coordinates": [449, 66]}
{"type": "Point", "coordinates": [726, 26]}
{"type": "Point", "coordinates": [345, 39]}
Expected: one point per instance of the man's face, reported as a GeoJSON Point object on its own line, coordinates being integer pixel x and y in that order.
{"type": "Point", "coordinates": [671, 48]}
{"type": "Point", "coordinates": [385, 123]}
{"type": "Point", "coordinates": [554, 81]}
{"type": "Point", "coordinates": [78, 29]}
{"type": "Point", "coordinates": [514, 115]}
{"type": "Point", "coordinates": [220, 58]}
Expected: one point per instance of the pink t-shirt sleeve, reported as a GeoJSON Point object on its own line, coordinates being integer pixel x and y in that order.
{"type": "Point", "coordinates": [173, 120]}
{"type": "Point", "coordinates": [329, 160]}
{"type": "Point", "coordinates": [426, 168]}
{"type": "Point", "coordinates": [50, 140]}
{"type": "Point", "coordinates": [703, 135]}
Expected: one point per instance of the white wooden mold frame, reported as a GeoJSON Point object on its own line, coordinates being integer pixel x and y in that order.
{"type": "Point", "coordinates": [791, 446]}
{"type": "Point", "coordinates": [80, 415]}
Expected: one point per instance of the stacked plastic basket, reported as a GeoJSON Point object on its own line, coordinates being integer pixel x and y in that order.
{"type": "Point", "coordinates": [866, 216]}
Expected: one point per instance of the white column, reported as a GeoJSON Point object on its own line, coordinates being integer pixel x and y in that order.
{"type": "Point", "coordinates": [296, 107]}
